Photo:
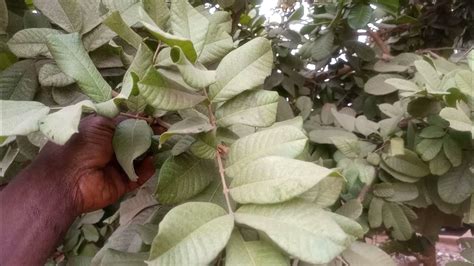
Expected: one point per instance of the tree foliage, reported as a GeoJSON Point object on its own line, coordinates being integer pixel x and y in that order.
{"type": "Point", "coordinates": [280, 142]}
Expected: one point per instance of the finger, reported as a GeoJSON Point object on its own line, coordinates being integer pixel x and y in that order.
{"type": "Point", "coordinates": [145, 170]}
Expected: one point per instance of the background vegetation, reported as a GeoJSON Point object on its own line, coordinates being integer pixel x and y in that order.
{"type": "Point", "coordinates": [294, 140]}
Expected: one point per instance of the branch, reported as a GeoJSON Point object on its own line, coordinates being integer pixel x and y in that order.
{"type": "Point", "coordinates": [225, 189]}
{"type": "Point", "coordinates": [380, 43]}
{"type": "Point", "coordinates": [149, 120]}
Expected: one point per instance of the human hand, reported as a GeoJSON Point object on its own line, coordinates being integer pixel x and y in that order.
{"type": "Point", "coordinates": [94, 179]}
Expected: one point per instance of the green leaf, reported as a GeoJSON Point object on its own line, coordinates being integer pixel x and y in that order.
{"type": "Point", "coordinates": [189, 23]}
{"type": "Point", "coordinates": [375, 212]}
{"type": "Point", "coordinates": [394, 218]}
{"type": "Point", "coordinates": [142, 61]}
{"type": "Point", "coordinates": [408, 164]}
{"type": "Point", "coordinates": [19, 81]}
{"type": "Point", "coordinates": [286, 141]}
{"type": "Point", "coordinates": [363, 254]}
{"type": "Point", "coordinates": [275, 179]}
{"type": "Point", "coordinates": [397, 175]}
{"type": "Point", "coordinates": [390, 6]}
{"type": "Point", "coordinates": [192, 125]}
{"type": "Point", "coordinates": [74, 61]}
{"type": "Point", "coordinates": [366, 126]}
{"type": "Point", "coordinates": [298, 227]}
{"type": "Point", "coordinates": [183, 177]}
{"type": "Point", "coordinates": [131, 139]}
{"type": "Point", "coordinates": [176, 242]}
{"type": "Point", "coordinates": [384, 190]}
{"type": "Point", "coordinates": [115, 22]}
{"type": "Point", "coordinates": [349, 147]}
{"type": "Point", "coordinates": [158, 11]}
{"type": "Point", "coordinates": [403, 84]}
{"type": "Point", "coordinates": [252, 253]}
{"type": "Point", "coordinates": [183, 145]}
{"type": "Point", "coordinates": [326, 192]}
{"type": "Point", "coordinates": [324, 135]}
{"type": "Point", "coordinates": [351, 209]}
{"type": "Point", "coordinates": [429, 148]}
{"type": "Point", "coordinates": [297, 14]}
{"type": "Point", "coordinates": [255, 108]}
{"type": "Point", "coordinates": [377, 85]}
{"type": "Point", "coordinates": [457, 119]}
{"type": "Point", "coordinates": [157, 93]}
{"type": "Point", "coordinates": [3, 17]}
{"type": "Point", "coordinates": [359, 16]}
{"type": "Point", "coordinates": [21, 117]}
{"type": "Point", "coordinates": [432, 132]}
{"type": "Point", "coordinates": [90, 233]}
{"type": "Point", "coordinates": [205, 146]}
{"type": "Point", "coordinates": [97, 37]}
{"type": "Point", "coordinates": [440, 164]}
{"type": "Point", "coordinates": [172, 40]}
{"type": "Point", "coordinates": [321, 48]}
{"type": "Point", "coordinates": [115, 257]}
{"type": "Point", "coordinates": [218, 41]}
{"type": "Point", "coordinates": [452, 151]}
{"type": "Point", "coordinates": [61, 125]}
{"type": "Point", "coordinates": [64, 13]}
{"type": "Point", "coordinates": [362, 50]}
{"type": "Point", "coordinates": [428, 74]}
{"type": "Point", "coordinates": [242, 69]}
{"type": "Point", "coordinates": [457, 185]}
{"type": "Point", "coordinates": [403, 192]}
{"type": "Point", "coordinates": [30, 43]}
{"type": "Point", "coordinates": [51, 75]}
{"type": "Point", "coordinates": [305, 105]}
{"type": "Point", "coordinates": [193, 75]}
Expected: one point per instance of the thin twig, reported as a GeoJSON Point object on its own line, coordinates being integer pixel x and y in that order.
{"type": "Point", "coordinates": [212, 118]}
{"type": "Point", "coordinates": [225, 189]}
{"type": "Point", "coordinates": [149, 120]}
{"type": "Point", "coordinates": [380, 43]}
{"type": "Point", "coordinates": [363, 192]}
{"type": "Point", "coordinates": [162, 123]}
{"type": "Point", "coordinates": [156, 52]}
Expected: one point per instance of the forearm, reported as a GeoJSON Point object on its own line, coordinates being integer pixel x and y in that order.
{"type": "Point", "coordinates": [36, 211]}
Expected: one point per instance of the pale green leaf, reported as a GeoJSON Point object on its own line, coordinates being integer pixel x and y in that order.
{"type": "Point", "coordinates": [140, 64]}
{"type": "Point", "coordinates": [359, 16]}
{"type": "Point", "coordinates": [195, 76]}
{"type": "Point", "coordinates": [172, 40]}
{"type": "Point", "coordinates": [351, 209]}
{"type": "Point", "coordinates": [349, 147]}
{"type": "Point", "coordinates": [457, 185]}
{"type": "Point", "coordinates": [97, 37]}
{"type": "Point", "coordinates": [183, 145]}
{"type": "Point", "coordinates": [158, 11]}
{"type": "Point", "coordinates": [90, 233]}
{"type": "Point", "coordinates": [253, 108]}
{"type": "Point", "coordinates": [365, 126]}
{"type": "Point", "coordinates": [115, 257]}
{"type": "Point", "coordinates": [408, 164]}
{"type": "Point", "coordinates": [440, 164]}
{"type": "Point", "coordinates": [21, 117]}
{"type": "Point", "coordinates": [74, 61]}
{"type": "Point", "coordinates": [394, 218]}
{"type": "Point", "coordinates": [205, 146]}
{"type": "Point", "coordinates": [367, 172]}
{"type": "Point", "coordinates": [376, 85]}
{"type": "Point", "coordinates": [403, 84]}
{"type": "Point", "coordinates": [428, 74]}
{"type": "Point", "coordinates": [242, 69]}
{"type": "Point", "coordinates": [321, 48]}
{"type": "Point", "coordinates": [51, 75]}
{"type": "Point", "coordinates": [188, 23]}
{"type": "Point", "coordinates": [183, 177]}
{"type": "Point", "coordinates": [403, 192]}
{"type": "Point", "coordinates": [107, 109]}
{"type": "Point", "coordinates": [286, 141]}
{"type": "Point", "coordinates": [457, 119]}
{"type": "Point", "coordinates": [31, 42]}
{"type": "Point", "coordinates": [390, 6]}
{"type": "Point", "coordinates": [157, 92]}
{"type": "Point", "coordinates": [429, 148]}
{"type": "Point", "coordinates": [397, 175]}
{"type": "Point", "coordinates": [384, 190]}
{"type": "Point", "coordinates": [452, 151]}
{"type": "Point", "coordinates": [363, 254]}
{"type": "Point", "coordinates": [275, 179]}
{"type": "Point", "coordinates": [64, 13]}
{"type": "Point", "coordinates": [131, 139]}
{"type": "Point", "coordinates": [323, 135]}
{"type": "Point", "coordinates": [297, 227]}
{"type": "Point", "coordinates": [191, 234]}
{"type": "Point", "coordinates": [192, 125]}
{"type": "Point", "coordinates": [305, 105]}
{"type": "Point", "coordinates": [68, 95]}
{"type": "Point", "coordinates": [252, 253]}
{"type": "Point", "coordinates": [375, 212]}
{"type": "Point", "coordinates": [61, 125]}
{"type": "Point", "coordinates": [19, 81]}
{"type": "Point", "coordinates": [326, 192]}
{"type": "Point", "coordinates": [115, 22]}
{"type": "Point", "coordinates": [218, 41]}
{"type": "Point", "coordinates": [431, 132]}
